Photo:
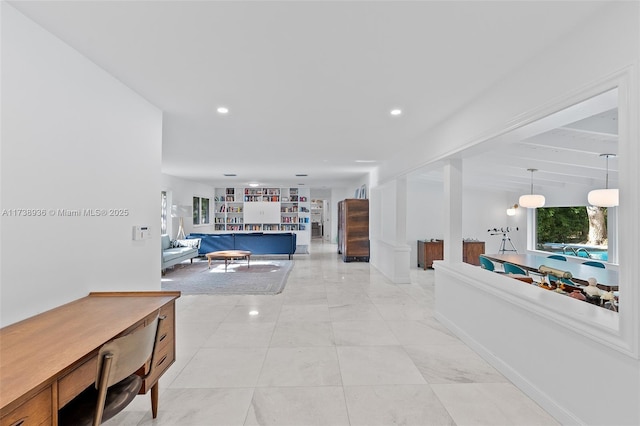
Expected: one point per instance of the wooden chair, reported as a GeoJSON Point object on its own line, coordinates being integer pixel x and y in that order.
{"type": "Point", "coordinates": [117, 383]}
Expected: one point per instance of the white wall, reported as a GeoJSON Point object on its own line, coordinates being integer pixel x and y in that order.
{"type": "Point", "coordinates": [73, 137]}
{"type": "Point", "coordinates": [337, 195]}
{"type": "Point", "coordinates": [181, 193]}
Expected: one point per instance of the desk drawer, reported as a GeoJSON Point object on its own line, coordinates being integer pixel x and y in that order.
{"type": "Point", "coordinates": [164, 358]}
{"type": "Point", "coordinates": [167, 325]}
{"type": "Point", "coordinates": [76, 381]}
{"type": "Point", "coordinates": [36, 411]}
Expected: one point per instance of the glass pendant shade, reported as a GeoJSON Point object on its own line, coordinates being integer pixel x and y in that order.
{"type": "Point", "coordinates": [531, 201]}
{"type": "Point", "coordinates": [604, 197]}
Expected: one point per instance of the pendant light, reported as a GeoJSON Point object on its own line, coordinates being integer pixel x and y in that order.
{"type": "Point", "coordinates": [604, 197]}
{"type": "Point", "coordinates": [531, 201]}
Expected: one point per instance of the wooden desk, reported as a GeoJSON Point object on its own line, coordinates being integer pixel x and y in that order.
{"type": "Point", "coordinates": [607, 278]}
{"type": "Point", "coordinates": [48, 359]}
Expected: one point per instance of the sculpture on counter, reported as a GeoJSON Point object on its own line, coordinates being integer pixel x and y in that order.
{"type": "Point", "coordinates": [608, 296]}
{"type": "Point", "coordinates": [577, 294]}
{"type": "Point", "coordinates": [592, 290]}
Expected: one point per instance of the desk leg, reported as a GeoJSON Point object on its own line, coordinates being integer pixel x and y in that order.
{"type": "Point", "coordinates": [154, 400]}
{"type": "Point", "coordinates": [248, 262]}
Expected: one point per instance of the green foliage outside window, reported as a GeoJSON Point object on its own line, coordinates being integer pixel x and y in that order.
{"type": "Point", "coordinates": [562, 225]}
{"type": "Point", "coordinates": [571, 225]}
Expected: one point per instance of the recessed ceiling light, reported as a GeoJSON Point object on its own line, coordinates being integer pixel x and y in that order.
{"type": "Point", "coordinates": [253, 185]}
{"type": "Point", "coordinates": [223, 110]}
{"type": "Point", "coordinates": [395, 111]}
{"type": "Point", "coordinates": [365, 161]}
{"type": "Point", "coordinates": [230, 174]}
{"type": "Point", "coordinates": [300, 184]}
{"type": "Point", "coordinates": [253, 313]}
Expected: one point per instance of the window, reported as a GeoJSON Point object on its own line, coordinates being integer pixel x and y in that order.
{"type": "Point", "coordinates": [163, 212]}
{"type": "Point", "coordinates": [574, 231]}
{"type": "Point", "coordinates": [200, 211]}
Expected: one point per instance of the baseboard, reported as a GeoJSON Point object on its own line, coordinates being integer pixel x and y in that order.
{"type": "Point", "coordinates": [562, 415]}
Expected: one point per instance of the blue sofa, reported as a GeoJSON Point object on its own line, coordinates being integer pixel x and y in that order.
{"type": "Point", "coordinates": [174, 255]}
{"type": "Point", "coordinates": [255, 242]}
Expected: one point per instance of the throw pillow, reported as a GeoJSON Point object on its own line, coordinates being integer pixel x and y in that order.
{"type": "Point", "coordinates": [193, 243]}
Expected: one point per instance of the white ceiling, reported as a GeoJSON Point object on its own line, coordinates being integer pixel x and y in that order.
{"type": "Point", "coordinates": [309, 84]}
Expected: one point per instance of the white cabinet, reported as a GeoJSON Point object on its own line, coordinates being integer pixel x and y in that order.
{"type": "Point", "coordinates": [260, 212]}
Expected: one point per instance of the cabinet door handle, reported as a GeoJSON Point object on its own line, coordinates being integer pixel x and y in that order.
{"type": "Point", "coordinates": [19, 422]}
{"type": "Point", "coordinates": [162, 337]}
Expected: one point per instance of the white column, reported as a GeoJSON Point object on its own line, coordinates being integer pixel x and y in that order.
{"type": "Point", "coordinates": [401, 210]}
{"type": "Point", "coordinates": [453, 211]}
{"type": "Point", "coordinates": [390, 253]}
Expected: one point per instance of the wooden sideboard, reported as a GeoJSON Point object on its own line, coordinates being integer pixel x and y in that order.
{"type": "Point", "coordinates": [48, 359]}
{"type": "Point", "coordinates": [353, 230]}
{"type": "Point", "coordinates": [471, 251]}
{"type": "Point", "coordinates": [428, 251]}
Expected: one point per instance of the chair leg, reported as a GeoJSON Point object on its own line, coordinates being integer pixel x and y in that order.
{"type": "Point", "coordinates": [102, 389]}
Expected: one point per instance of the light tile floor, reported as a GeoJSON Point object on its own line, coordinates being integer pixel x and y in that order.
{"type": "Point", "coordinates": [340, 346]}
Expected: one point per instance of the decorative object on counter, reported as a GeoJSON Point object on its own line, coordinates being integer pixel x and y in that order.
{"type": "Point", "coordinates": [592, 289]}
{"type": "Point", "coordinates": [547, 270]}
{"type": "Point", "coordinates": [593, 292]}
{"type": "Point", "coordinates": [577, 294]}
{"type": "Point", "coordinates": [609, 300]}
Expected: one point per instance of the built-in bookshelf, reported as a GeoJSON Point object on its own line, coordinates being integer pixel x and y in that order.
{"type": "Point", "coordinates": [264, 209]}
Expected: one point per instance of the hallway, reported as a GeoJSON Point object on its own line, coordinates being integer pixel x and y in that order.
{"type": "Point", "coordinates": [340, 346]}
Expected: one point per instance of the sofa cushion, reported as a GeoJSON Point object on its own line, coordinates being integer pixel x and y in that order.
{"type": "Point", "coordinates": [192, 242]}
{"type": "Point", "coordinates": [174, 253]}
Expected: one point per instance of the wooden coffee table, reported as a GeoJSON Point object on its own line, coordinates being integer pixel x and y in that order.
{"type": "Point", "coordinates": [229, 255]}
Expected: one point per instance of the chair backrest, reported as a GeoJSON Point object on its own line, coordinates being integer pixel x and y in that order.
{"type": "Point", "coordinates": [594, 263]}
{"type": "Point", "coordinates": [557, 257]}
{"type": "Point", "coordinates": [128, 353]}
{"type": "Point", "coordinates": [486, 263]}
{"type": "Point", "coordinates": [510, 268]}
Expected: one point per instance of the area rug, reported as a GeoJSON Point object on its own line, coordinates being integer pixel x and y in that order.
{"type": "Point", "coordinates": [262, 277]}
